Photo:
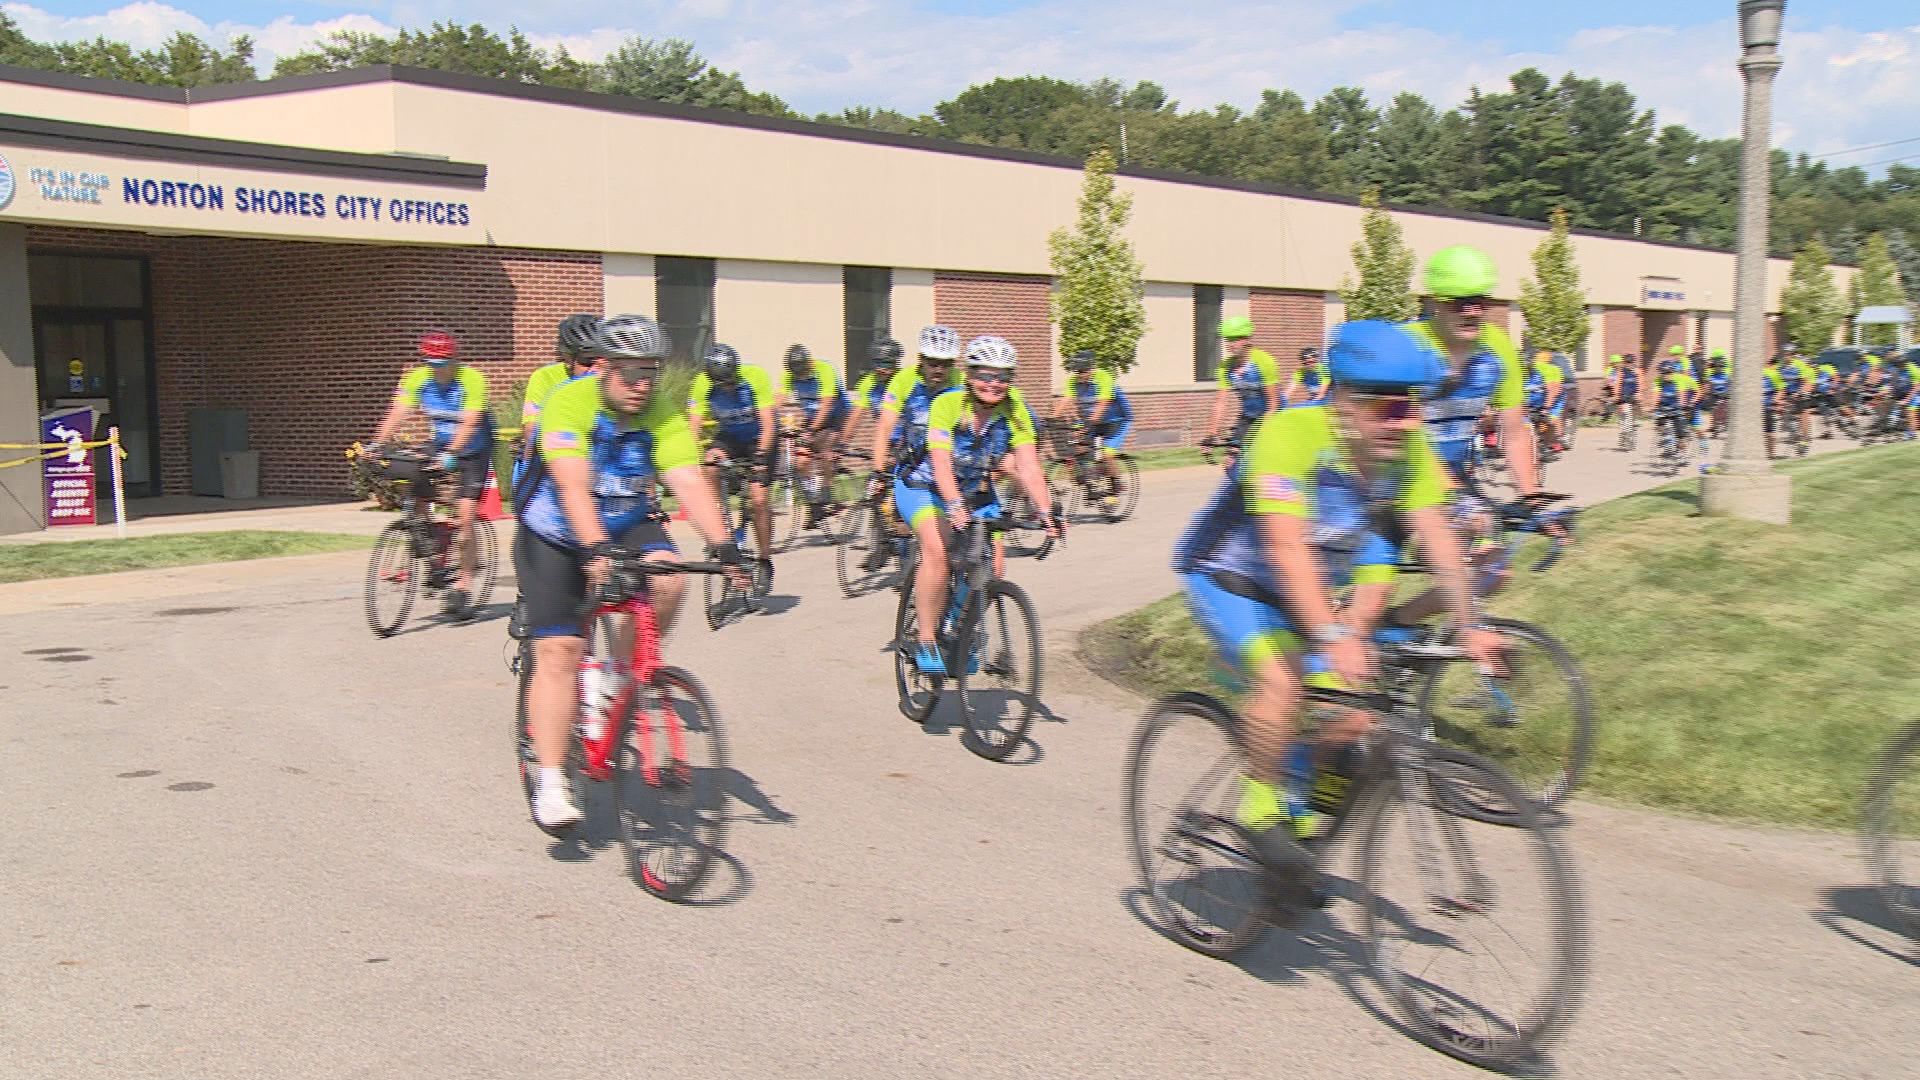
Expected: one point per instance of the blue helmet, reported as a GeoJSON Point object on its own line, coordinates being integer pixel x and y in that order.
{"type": "Point", "coordinates": [1377, 356]}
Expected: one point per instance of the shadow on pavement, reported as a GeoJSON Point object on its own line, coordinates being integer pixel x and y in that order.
{"type": "Point", "coordinates": [1853, 911]}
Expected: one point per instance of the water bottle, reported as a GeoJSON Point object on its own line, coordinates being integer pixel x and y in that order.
{"type": "Point", "coordinates": [593, 710]}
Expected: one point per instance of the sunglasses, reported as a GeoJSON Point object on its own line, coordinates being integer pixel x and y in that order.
{"type": "Point", "coordinates": [1465, 302]}
{"type": "Point", "coordinates": [990, 375]}
{"type": "Point", "coordinates": [635, 371]}
{"type": "Point", "coordinates": [1387, 407]}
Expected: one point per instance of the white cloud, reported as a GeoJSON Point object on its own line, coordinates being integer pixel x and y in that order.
{"type": "Point", "coordinates": [1840, 87]}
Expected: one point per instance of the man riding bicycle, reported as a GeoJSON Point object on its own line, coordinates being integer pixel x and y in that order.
{"type": "Point", "coordinates": [1546, 389]}
{"type": "Point", "coordinates": [572, 340]}
{"type": "Point", "coordinates": [1310, 384]}
{"type": "Point", "coordinates": [870, 393]}
{"type": "Point", "coordinates": [1102, 406]}
{"type": "Point", "coordinates": [604, 441]}
{"type": "Point", "coordinates": [1678, 397]}
{"type": "Point", "coordinates": [1247, 373]}
{"type": "Point", "coordinates": [1300, 518]}
{"type": "Point", "coordinates": [1718, 388]}
{"type": "Point", "coordinates": [737, 400]}
{"type": "Point", "coordinates": [453, 398]}
{"type": "Point", "coordinates": [812, 386]}
{"type": "Point", "coordinates": [968, 431]}
{"type": "Point", "coordinates": [1798, 376]}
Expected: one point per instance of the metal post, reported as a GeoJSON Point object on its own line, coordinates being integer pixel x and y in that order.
{"type": "Point", "coordinates": [1745, 485]}
{"type": "Point", "coordinates": [119, 484]}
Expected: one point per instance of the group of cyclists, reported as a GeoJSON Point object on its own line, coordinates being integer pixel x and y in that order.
{"type": "Point", "coordinates": [1879, 396]}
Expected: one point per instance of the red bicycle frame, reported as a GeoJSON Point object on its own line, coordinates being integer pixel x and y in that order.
{"type": "Point", "coordinates": [601, 752]}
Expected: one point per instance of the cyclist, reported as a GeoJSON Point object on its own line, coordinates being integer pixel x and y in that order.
{"type": "Point", "coordinates": [900, 427]}
{"type": "Point", "coordinates": [1102, 407]}
{"type": "Point", "coordinates": [1826, 396]}
{"type": "Point", "coordinates": [871, 391]}
{"type": "Point", "coordinates": [1772, 388]}
{"type": "Point", "coordinates": [1310, 385]}
{"type": "Point", "coordinates": [1905, 396]}
{"type": "Point", "coordinates": [453, 398]}
{"type": "Point", "coordinates": [969, 429]}
{"type": "Point", "coordinates": [738, 401]}
{"type": "Point", "coordinates": [1247, 373]}
{"type": "Point", "coordinates": [1677, 400]}
{"type": "Point", "coordinates": [574, 335]}
{"type": "Point", "coordinates": [812, 386]}
{"type": "Point", "coordinates": [1799, 378]}
{"type": "Point", "coordinates": [603, 442]}
{"type": "Point", "coordinates": [1301, 517]}
{"type": "Point", "coordinates": [1546, 387]}
{"type": "Point", "coordinates": [1719, 389]}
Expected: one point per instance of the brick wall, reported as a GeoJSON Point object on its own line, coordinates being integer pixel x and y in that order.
{"type": "Point", "coordinates": [1285, 322]}
{"type": "Point", "coordinates": [1620, 331]}
{"type": "Point", "coordinates": [1008, 306]}
{"type": "Point", "coordinates": [311, 338]}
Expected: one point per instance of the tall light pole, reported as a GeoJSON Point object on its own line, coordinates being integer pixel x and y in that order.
{"type": "Point", "coordinates": [1746, 485]}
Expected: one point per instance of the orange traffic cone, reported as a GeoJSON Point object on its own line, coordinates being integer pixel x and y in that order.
{"type": "Point", "coordinates": [490, 508]}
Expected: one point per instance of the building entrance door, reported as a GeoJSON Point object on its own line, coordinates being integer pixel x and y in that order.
{"type": "Point", "coordinates": [101, 361]}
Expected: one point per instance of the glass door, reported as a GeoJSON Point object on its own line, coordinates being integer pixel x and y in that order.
{"type": "Point", "coordinates": [101, 361]}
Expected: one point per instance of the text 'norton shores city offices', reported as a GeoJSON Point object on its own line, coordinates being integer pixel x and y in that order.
{"type": "Point", "coordinates": [276, 202]}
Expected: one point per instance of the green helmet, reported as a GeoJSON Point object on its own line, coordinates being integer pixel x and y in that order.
{"type": "Point", "coordinates": [1677, 350]}
{"type": "Point", "coordinates": [1236, 326]}
{"type": "Point", "coordinates": [1461, 271]}
{"type": "Point", "coordinates": [1717, 354]}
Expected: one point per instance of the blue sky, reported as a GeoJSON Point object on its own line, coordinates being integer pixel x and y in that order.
{"type": "Point", "coordinates": [1852, 75]}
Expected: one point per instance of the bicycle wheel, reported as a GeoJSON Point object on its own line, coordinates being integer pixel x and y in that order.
{"type": "Point", "coordinates": [918, 693]}
{"type": "Point", "coordinates": [783, 497]}
{"type": "Point", "coordinates": [1126, 498]}
{"type": "Point", "coordinates": [1066, 493]}
{"type": "Point", "coordinates": [1458, 916]}
{"type": "Point", "coordinates": [525, 759]}
{"type": "Point", "coordinates": [673, 784]}
{"type": "Point", "coordinates": [1179, 793]}
{"type": "Point", "coordinates": [392, 579]}
{"type": "Point", "coordinates": [1891, 828]}
{"type": "Point", "coordinates": [486, 565]}
{"type": "Point", "coordinates": [852, 547]}
{"type": "Point", "coordinates": [1536, 721]}
{"type": "Point", "coordinates": [721, 598]}
{"type": "Point", "coordinates": [1003, 638]}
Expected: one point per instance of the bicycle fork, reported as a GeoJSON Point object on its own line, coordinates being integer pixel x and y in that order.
{"type": "Point", "coordinates": [1467, 890]}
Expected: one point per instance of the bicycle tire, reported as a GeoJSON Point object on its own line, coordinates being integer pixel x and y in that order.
{"type": "Point", "coordinates": [1066, 493]}
{"type": "Point", "coordinates": [989, 633]}
{"type": "Point", "coordinates": [1886, 828]}
{"type": "Point", "coordinates": [1019, 512]}
{"type": "Point", "coordinates": [674, 827]}
{"type": "Point", "coordinates": [1160, 824]}
{"type": "Point", "coordinates": [1127, 500]}
{"type": "Point", "coordinates": [852, 546]}
{"type": "Point", "coordinates": [783, 497]}
{"type": "Point", "coordinates": [487, 564]}
{"type": "Point", "coordinates": [524, 757]}
{"type": "Point", "coordinates": [391, 567]}
{"type": "Point", "coordinates": [720, 597]}
{"type": "Point", "coordinates": [1551, 782]}
{"type": "Point", "coordinates": [1442, 1017]}
{"type": "Point", "coordinates": [919, 694]}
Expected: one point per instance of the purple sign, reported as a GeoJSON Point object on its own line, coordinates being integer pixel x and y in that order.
{"type": "Point", "coordinates": [69, 475]}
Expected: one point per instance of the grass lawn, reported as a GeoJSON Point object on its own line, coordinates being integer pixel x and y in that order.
{"type": "Point", "coordinates": [32, 562]}
{"type": "Point", "coordinates": [1738, 669]}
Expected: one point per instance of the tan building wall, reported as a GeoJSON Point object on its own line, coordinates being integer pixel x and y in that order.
{"type": "Point", "coordinates": [760, 308]}
{"type": "Point", "coordinates": [628, 283]}
{"type": "Point", "coordinates": [911, 306]}
{"type": "Point", "coordinates": [1165, 356]}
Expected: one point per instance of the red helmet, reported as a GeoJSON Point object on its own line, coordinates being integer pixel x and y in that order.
{"type": "Point", "coordinates": [438, 346]}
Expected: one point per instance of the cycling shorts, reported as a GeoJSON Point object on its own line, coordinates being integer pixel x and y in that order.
{"type": "Point", "coordinates": [553, 579]}
{"type": "Point", "coordinates": [470, 475]}
{"type": "Point", "coordinates": [1112, 434]}
{"type": "Point", "coordinates": [836, 415]}
{"type": "Point", "coordinates": [915, 504]}
{"type": "Point", "coordinates": [745, 451]}
{"type": "Point", "coordinates": [1245, 632]}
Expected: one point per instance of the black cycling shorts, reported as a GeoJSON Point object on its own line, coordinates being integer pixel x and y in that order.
{"type": "Point", "coordinates": [470, 475]}
{"type": "Point", "coordinates": [553, 579]}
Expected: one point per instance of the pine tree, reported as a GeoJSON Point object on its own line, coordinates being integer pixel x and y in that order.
{"type": "Point", "coordinates": [1812, 306]}
{"type": "Point", "coordinates": [1552, 301]}
{"type": "Point", "coordinates": [1097, 288]}
{"type": "Point", "coordinates": [1879, 284]}
{"type": "Point", "coordinates": [1385, 266]}
{"type": "Point", "coordinates": [1907, 258]}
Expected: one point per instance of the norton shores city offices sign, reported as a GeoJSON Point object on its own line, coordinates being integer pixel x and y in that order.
{"type": "Point", "coordinates": [53, 189]}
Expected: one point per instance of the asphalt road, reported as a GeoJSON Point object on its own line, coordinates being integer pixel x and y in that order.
{"type": "Point", "coordinates": [253, 840]}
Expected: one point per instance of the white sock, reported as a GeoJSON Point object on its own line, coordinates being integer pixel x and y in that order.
{"type": "Point", "coordinates": [554, 780]}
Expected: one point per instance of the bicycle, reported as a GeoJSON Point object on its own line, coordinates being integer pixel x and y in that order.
{"type": "Point", "coordinates": [721, 598]}
{"type": "Point", "coordinates": [1075, 475]}
{"type": "Point", "coordinates": [1796, 436]}
{"type": "Point", "coordinates": [1890, 828]}
{"type": "Point", "coordinates": [663, 749]}
{"type": "Point", "coordinates": [1422, 910]}
{"type": "Point", "coordinates": [416, 552]}
{"type": "Point", "coordinates": [989, 629]}
{"type": "Point", "coordinates": [1220, 450]}
{"type": "Point", "coordinates": [1629, 439]}
{"type": "Point", "coordinates": [871, 538]}
{"type": "Point", "coordinates": [1669, 448]}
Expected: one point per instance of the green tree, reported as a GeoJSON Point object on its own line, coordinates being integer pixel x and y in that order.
{"type": "Point", "coordinates": [1385, 266]}
{"type": "Point", "coordinates": [1812, 306]}
{"type": "Point", "coordinates": [1552, 300]}
{"type": "Point", "coordinates": [672, 71]}
{"type": "Point", "coordinates": [470, 50]}
{"type": "Point", "coordinates": [1879, 283]}
{"type": "Point", "coordinates": [1007, 112]}
{"type": "Point", "coordinates": [1906, 257]}
{"type": "Point", "coordinates": [1097, 292]}
{"type": "Point", "coordinates": [19, 50]}
{"type": "Point", "coordinates": [1418, 156]}
{"type": "Point", "coordinates": [1351, 127]}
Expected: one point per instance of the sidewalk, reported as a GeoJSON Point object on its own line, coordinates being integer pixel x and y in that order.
{"type": "Point", "coordinates": [172, 516]}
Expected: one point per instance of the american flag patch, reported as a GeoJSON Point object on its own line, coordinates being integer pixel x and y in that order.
{"type": "Point", "coordinates": [1279, 489]}
{"type": "Point", "coordinates": [563, 440]}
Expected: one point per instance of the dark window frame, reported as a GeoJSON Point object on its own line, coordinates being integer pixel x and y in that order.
{"type": "Point", "coordinates": [678, 276]}
{"type": "Point", "coordinates": [1209, 303]}
{"type": "Point", "coordinates": [860, 334]}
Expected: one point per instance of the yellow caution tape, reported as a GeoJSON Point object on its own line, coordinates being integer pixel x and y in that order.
{"type": "Point", "coordinates": [51, 451]}
{"type": "Point", "coordinates": [49, 445]}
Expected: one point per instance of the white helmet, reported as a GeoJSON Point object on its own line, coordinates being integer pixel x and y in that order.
{"type": "Point", "coordinates": [991, 352]}
{"type": "Point", "coordinates": [939, 343]}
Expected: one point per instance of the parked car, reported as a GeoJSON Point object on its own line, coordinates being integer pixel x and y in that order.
{"type": "Point", "coordinates": [1844, 359]}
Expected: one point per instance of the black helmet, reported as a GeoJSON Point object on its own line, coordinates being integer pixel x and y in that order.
{"type": "Point", "coordinates": [1081, 360]}
{"type": "Point", "coordinates": [576, 334]}
{"type": "Point", "coordinates": [723, 363]}
{"type": "Point", "coordinates": [797, 355]}
{"type": "Point", "coordinates": [885, 353]}
{"type": "Point", "coordinates": [1309, 354]}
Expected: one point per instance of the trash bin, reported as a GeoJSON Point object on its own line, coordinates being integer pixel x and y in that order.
{"type": "Point", "coordinates": [240, 474]}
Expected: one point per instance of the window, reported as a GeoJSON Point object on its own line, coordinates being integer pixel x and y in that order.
{"type": "Point", "coordinates": [683, 305]}
{"type": "Point", "coordinates": [869, 309]}
{"type": "Point", "coordinates": [1206, 332]}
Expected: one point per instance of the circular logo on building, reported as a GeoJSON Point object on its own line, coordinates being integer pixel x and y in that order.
{"type": "Point", "coordinates": [6, 182]}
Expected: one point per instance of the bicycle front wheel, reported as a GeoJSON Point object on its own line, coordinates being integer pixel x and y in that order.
{"type": "Point", "coordinates": [673, 782]}
{"type": "Point", "coordinates": [1476, 931]}
{"type": "Point", "coordinates": [392, 579]}
{"type": "Point", "coordinates": [1126, 497]}
{"type": "Point", "coordinates": [1066, 492]}
{"type": "Point", "coordinates": [997, 669]}
{"type": "Point", "coordinates": [918, 693]}
{"type": "Point", "coordinates": [486, 563]}
{"type": "Point", "coordinates": [1179, 792]}
{"type": "Point", "coordinates": [852, 547]}
{"type": "Point", "coordinates": [1891, 828]}
{"type": "Point", "coordinates": [1535, 721]}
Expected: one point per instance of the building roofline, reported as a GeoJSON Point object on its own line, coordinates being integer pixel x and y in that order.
{"type": "Point", "coordinates": [202, 150]}
{"type": "Point", "coordinates": [588, 99]}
